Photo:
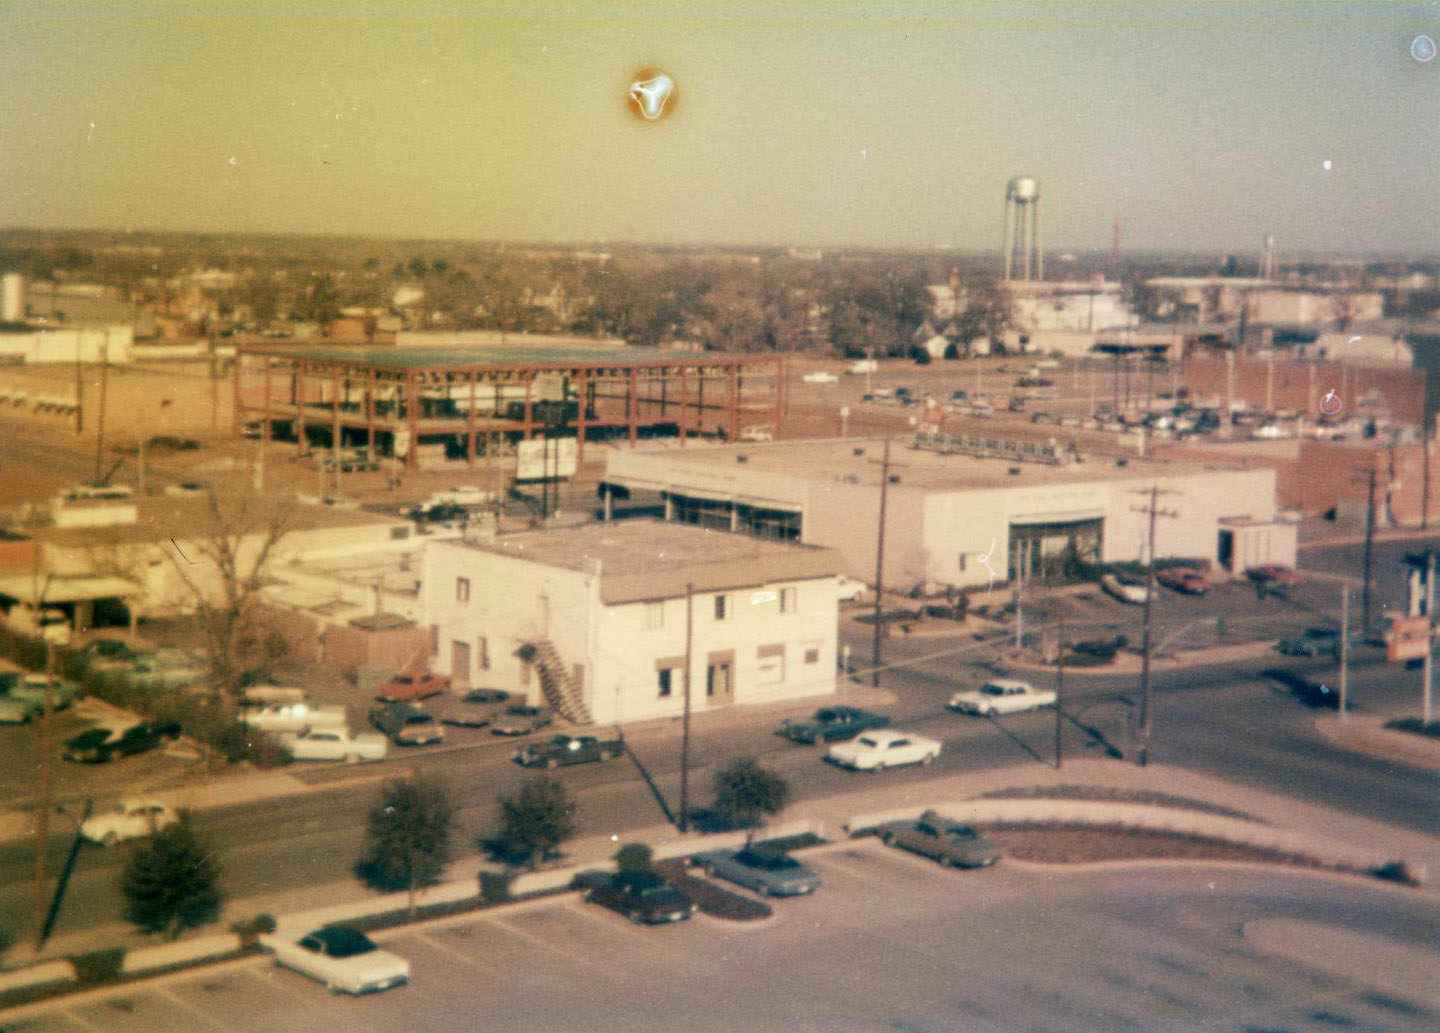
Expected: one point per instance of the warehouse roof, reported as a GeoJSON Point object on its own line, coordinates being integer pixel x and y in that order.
{"type": "Point", "coordinates": [652, 559]}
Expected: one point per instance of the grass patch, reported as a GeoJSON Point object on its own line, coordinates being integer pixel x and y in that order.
{"type": "Point", "coordinates": [1112, 794]}
{"type": "Point", "coordinates": [1415, 726]}
{"type": "Point", "coordinates": [1084, 844]}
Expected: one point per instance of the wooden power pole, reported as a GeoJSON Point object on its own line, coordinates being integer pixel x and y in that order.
{"type": "Point", "coordinates": [1142, 753]}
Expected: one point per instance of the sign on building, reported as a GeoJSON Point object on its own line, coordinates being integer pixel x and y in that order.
{"type": "Point", "coordinates": [1406, 639]}
{"type": "Point", "coordinates": [539, 459]}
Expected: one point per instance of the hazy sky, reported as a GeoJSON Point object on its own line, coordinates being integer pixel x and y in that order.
{"type": "Point", "coordinates": [1203, 127]}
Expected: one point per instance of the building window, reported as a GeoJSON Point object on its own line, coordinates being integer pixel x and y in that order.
{"type": "Point", "coordinates": [717, 679]}
{"type": "Point", "coordinates": [482, 653]}
{"type": "Point", "coordinates": [654, 615]}
{"type": "Point", "coordinates": [462, 589]}
{"type": "Point", "coordinates": [812, 654]}
{"type": "Point", "coordinates": [434, 640]}
{"type": "Point", "coordinates": [664, 675]}
{"type": "Point", "coordinates": [770, 665]}
{"type": "Point", "coordinates": [720, 607]}
{"type": "Point", "coordinates": [787, 600]}
{"type": "Point", "coordinates": [962, 563]}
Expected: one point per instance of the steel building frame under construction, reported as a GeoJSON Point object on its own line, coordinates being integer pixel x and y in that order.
{"type": "Point", "coordinates": [408, 405]}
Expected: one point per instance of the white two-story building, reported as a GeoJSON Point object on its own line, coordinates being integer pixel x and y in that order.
{"type": "Point", "coordinates": [597, 620]}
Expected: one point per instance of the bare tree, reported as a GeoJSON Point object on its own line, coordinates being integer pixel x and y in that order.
{"type": "Point", "coordinates": [223, 566]}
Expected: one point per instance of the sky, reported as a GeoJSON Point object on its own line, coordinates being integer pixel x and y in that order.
{"type": "Point", "coordinates": [814, 124]}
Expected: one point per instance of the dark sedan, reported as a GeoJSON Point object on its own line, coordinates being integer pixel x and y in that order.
{"type": "Point", "coordinates": [1311, 693]}
{"type": "Point", "coordinates": [832, 724]}
{"type": "Point", "coordinates": [639, 896]}
{"type": "Point", "coordinates": [104, 743]}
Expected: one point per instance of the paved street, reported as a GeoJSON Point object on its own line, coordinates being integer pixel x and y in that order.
{"type": "Point", "coordinates": [891, 941]}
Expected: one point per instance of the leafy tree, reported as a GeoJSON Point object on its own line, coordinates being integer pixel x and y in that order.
{"type": "Point", "coordinates": [408, 837]}
{"type": "Point", "coordinates": [745, 793]}
{"type": "Point", "coordinates": [172, 883]}
{"type": "Point", "coordinates": [634, 857]}
{"type": "Point", "coordinates": [537, 819]}
{"type": "Point", "coordinates": [320, 302]}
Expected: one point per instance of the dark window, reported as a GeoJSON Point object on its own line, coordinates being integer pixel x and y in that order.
{"type": "Point", "coordinates": [664, 675]}
{"type": "Point", "coordinates": [719, 607]}
{"type": "Point", "coordinates": [462, 589]}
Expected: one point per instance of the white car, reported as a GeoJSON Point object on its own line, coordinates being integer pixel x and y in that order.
{"type": "Point", "coordinates": [849, 589]}
{"type": "Point", "coordinates": [293, 717]}
{"type": "Point", "coordinates": [131, 818]}
{"type": "Point", "coordinates": [1002, 696]}
{"type": "Point", "coordinates": [1123, 590]}
{"type": "Point", "coordinates": [337, 744]}
{"type": "Point", "coordinates": [344, 959]}
{"type": "Point", "coordinates": [820, 377]}
{"type": "Point", "coordinates": [759, 432]}
{"type": "Point", "coordinates": [884, 748]}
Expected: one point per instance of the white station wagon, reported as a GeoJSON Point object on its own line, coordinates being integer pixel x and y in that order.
{"type": "Point", "coordinates": [884, 748]}
{"type": "Point", "coordinates": [1002, 696]}
{"type": "Point", "coordinates": [130, 818]}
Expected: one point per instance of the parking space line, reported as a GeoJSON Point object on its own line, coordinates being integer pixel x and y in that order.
{"type": "Point", "coordinates": [267, 976]}
{"type": "Point", "coordinates": [611, 922]}
{"type": "Point", "coordinates": [173, 998]}
{"type": "Point", "coordinates": [574, 956]}
{"type": "Point", "coordinates": [80, 1022]}
{"type": "Point", "coordinates": [445, 948]}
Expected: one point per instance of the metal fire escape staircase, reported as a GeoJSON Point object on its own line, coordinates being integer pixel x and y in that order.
{"type": "Point", "coordinates": [556, 685]}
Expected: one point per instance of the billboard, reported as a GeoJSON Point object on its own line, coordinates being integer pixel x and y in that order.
{"type": "Point", "coordinates": [539, 459]}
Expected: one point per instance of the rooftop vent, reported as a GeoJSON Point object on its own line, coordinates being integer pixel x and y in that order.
{"type": "Point", "coordinates": [1122, 462]}
{"type": "Point", "coordinates": [742, 459]}
{"type": "Point", "coordinates": [894, 478]}
{"type": "Point", "coordinates": [1013, 471]}
{"type": "Point", "coordinates": [859, 451]}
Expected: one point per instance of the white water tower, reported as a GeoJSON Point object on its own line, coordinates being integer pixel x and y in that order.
{"type": "Point", "coordinates": [1022, 230]}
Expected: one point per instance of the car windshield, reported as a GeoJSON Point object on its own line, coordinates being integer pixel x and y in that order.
{"type": "Point", "coordinates": [659, 893]}
{"type": "Point", "coordinates": [404, 679]}
{"type": "Point", "coordinates": [865, 740]}
{"type": "Point", "coordinates": [770, 862]}
{"type": "Point", "coordinates": [992, 690]}
{"type": "Point", "coordinates": [418, 719]}
{"type": "Point", "coordinates": [345, 943]}
{"type": "Point", "coordinates": [960, 832]}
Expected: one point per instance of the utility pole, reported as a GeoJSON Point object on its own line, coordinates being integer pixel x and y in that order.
{"type": "Point", "coordinates": [100, 418]}
{"type": "Point", "coordinates": [1369, 551]}
{"type": "Point", "coordinates": [880, 568]}
{"type": "Point", "coordinates": [1425, 468]}
{"type": "Point", "coordinates": [1059, 685]}
{"type": "Point", "coordinates": [685, 720]}
{"type": "Point", "coordinates": [1344, 652]}
{"type": "Point", "coordinates": [1142, 754]}
{"type": "Point", "coordinates": [1425, 703]}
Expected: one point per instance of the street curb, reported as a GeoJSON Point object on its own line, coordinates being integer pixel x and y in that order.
{"type": "Point", "coordinates": [1125, 864]}
{"type": "Point", "coordinates": [1366, 735]}
{"type": "Point", "coordinates": [1191, 659]}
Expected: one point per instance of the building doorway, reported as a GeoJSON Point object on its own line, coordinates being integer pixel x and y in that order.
{"type": "Point", "coordinates": [460, 664]}
{"type": "Point", "coordinates": [719, 683]}
{"type": "Point", "coordinates": [1044, 551]}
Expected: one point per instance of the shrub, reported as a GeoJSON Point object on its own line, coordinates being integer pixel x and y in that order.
{"type": "Point", "coordinates": [494, 887]}
{"type": "Point", "coordinates": [100, 966]}
{"type": "Point", "coordinates": [250, 928]}
{"type": "Point", "coordinates": [1395, 871]}
{"type": "Point", "coordinates": [634, 857]}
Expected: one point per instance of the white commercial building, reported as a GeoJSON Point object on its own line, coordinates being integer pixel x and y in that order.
{"type": "Point", "coordinates": [597, 620]}
{"type": "Point", "coordinates": [980, 510]}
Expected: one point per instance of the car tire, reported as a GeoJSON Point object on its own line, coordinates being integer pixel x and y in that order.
{"type": "Point", "coordinates": [551, 763]}
{"type": "Point", "coordinates": [352, 758]}
{"type": "Point", "coordinates": [925, 760]}
{"type": "Point", "coordinates": [605, 755]}
{"type": "Point", "coordinates": [709, 871]}
{"type": "Point", "coordinates": [110, 838]}
{"type": "Point", "coordinates": [888, 838]}
{"type": "Point", "coordinates": [878, 768]}
{"type": "Point", "coordinates": [634, 916]}
{"type": "Point", "coordinates": [763, 890]}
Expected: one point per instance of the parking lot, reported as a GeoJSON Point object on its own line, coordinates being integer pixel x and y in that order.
{"type": "Point", "coordinates": [890, 941]}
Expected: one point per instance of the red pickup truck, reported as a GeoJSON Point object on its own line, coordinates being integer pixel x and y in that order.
{"type": "Point", "coordinates": [411, 685]}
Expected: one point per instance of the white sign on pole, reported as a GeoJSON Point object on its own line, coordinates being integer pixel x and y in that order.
{"type": "Point", "coordinates": [538, 459]}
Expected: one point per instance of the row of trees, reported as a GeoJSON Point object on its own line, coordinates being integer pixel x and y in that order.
{"type": "Point", "coordinates": [172, 883]}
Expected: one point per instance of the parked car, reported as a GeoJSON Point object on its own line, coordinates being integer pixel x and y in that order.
{"type": "Point", "coordinates": [831, 724]}
{"type": "Point", "coordinates": [1186, 580]}
{"type": "Point", "coordinates": [884, 748]}
{"type": "Point", "coordinates": [850, 589]}
{"type": "Point", "coordinates": [407, 725]}
{"type": "Point", "coordinates": [1272, 574]}
{"type": "Point", "coordinates": [87, 492]}
{"type": "Point", "coordinates": [770, 873]}
{"type": "Point", "coordinates": [1125, 591]}
{"type": "Point", "coordinates": [759, 432]}
{"type": "Point", "coordinates": [130, 818]}
{"type": "Point", "coordinates": [108, 652]}
{"type": "Point", "coordinates": [336, 744]}
{"type": "Point", "coordinates": [820, 377]}
{"type": "Point", "coordinates": [475, 709]}
{"type": "Point", "coordinates": [521, 719]}
{"type": "Point", "coordinates": [1002, 696]}
{"type": "Point", "coordinates": [170, 668]}
{"type": "Point", "coordinates": [409, 685]}
{"type": "Point", "coordinates": [293, 717]}
{"type": "Point", "coordinates": [104, 742]}
{"type": "Point", "coordinates": [31, 687]}
{"type": "Point", "coordinates": [567, 749]}
{"type": "Point", "coordinates": [1311, 693]}
{"type": "Point", "coordinates": [952, 844]}
{"type": "Point", "coordinates": [17, 711]}
{"type": "Point", "coordinates": [639, 896]}
{"type": "Point", "coordinates": [1311, 642]}
{"type": "Point", "coordinates": [344, 959]}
